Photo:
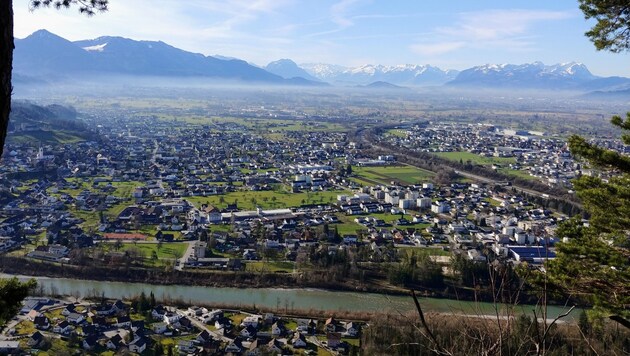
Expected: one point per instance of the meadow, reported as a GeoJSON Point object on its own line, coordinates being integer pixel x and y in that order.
{"type": "Point", "coordinates": [406, 175]}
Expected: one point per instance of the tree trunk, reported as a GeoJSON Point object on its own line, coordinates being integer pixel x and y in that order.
{"type": "Point", "coordinates": [620, 320]}
{"type": "Point", "coordinates": [6, 66]}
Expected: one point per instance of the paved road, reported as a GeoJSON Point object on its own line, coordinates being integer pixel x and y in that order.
{"type": "Point", "coordinates": [189, 253]}
{"type": "Point", "coordinates": [203, 326]}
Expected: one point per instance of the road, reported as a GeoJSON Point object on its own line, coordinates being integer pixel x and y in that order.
{"type": "Point", "coordinates": [203, 326]}
{"type": "Point", "coordinates": [60, 304]}
{"type": "Point", "coordinates": [518, 188]}
{"type": "Point", "coordinates": [361, 135]}
{"type": "Point", "coordinates": [187, 254]}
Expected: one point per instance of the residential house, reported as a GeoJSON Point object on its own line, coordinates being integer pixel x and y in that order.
{"type": "Point", "coordinates": [274, 347]}
{"type": "Point", "coordinates": [105, 310]}
{"type": "Point", "coordinates": [115, 342]}
{"type": "Point", "coordinates": [171, 318]}
{"type": "Point", "coordinates": [278, 329]}
{"type": "Point", "coordinates": [158, 312]}
{"type": "Point", "coordinates": [251, 321]}
{"type": "Point", "coordinates": [41, 322]}
{"type": "Point", "coordinates": [248, 332]}
{"type": "Point", "coordinates": [75, 318]}
{"type": "Point", "coordinates": [186, 346]}
{"type": "Point", "coordinates": [90, 342]}
{"type": "Point", "coordinates": [331, 325]}
{"type": "Point", "coordinates": [333, 339]}
{"type": "Point", "coordinates": [123, 322]}
{"type": "Point", "coordinates": [137, 325]}
{"type": "Point", "coordinates": [63, 327]}
{"type": "Point", "coordinates": [352, 329]}
{"type": "Point", "coordinates": [298, 341]}
{"type": "Point", "coordinates": [69, 309]}
{"type": "Point", "coordinates": [36, 340]}
{"type": "Point", "coordinates": [159, 328]}
{"type": "Point", "coordinates": [204, 337]}
{"type": "Point", "coordinates": [138, 345]}
{"type": "Point", "coordinates": [306, 325]}
{"type": "Point", "coordinates": [9, 347]}
{"type": "Point", "coordinates": [235, 346]}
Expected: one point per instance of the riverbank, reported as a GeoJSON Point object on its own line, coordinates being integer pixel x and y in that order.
{"type": "Point", "coordinates": [240, 280]}
{"type": "Point", "coordinates": [220, 279]}
{"type": "Point", "coordinates": [278, 299]}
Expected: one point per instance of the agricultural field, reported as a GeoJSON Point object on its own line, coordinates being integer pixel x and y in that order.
{"type": "Point", "coordinates": [278, 199]}
{"type": "Point", "coordinates": [475, 158]}
{"type": "Point", "coordinates": [150, 254]}
{"type": "Point", "coordinates": [397, 133]}
{"type": "Point", "coordinates": [406, 175]}
{"type": "Point", "coordinates": [271, 266]}
{"type": "Point", "coordinates": [264, 126]}
{"type": "Point", "coordinates": [503, 162]}
{"type": "Point", "coordinates": [45, 136]}
{"type": "Point", "coordinates": [349, 227]}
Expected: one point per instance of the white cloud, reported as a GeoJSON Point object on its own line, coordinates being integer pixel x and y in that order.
{"type": "Point", "coordinates": [338, 15]}
{"type": "Point", "coordinates": [436, 49]}
{"type": "Point", "coordinates": [489, 29]}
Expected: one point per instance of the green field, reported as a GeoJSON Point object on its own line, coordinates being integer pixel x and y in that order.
{"type": "Point", "coordinates": [349, 227]}
{"type": "Point", "coordinates": [273, 266]}
{"type": "Point", "coordinates": [249, 200]}
{"type": "Point", "coordinates": [487, 161]}
{"type": "Point", "coordinates": [475, 158]}
{"type": "Point", "coordinates": [424, 251]}
{"type": "Point", "coordinates": [397, 132]}
{"type": "Point", "coordinates": [384, 175]}
{"type": "Point", "coordinates": [45, 136]}
{"type": "Point", "coordinates": [267, 126]}
{"type": "Point", "coordinates": [167, 250]}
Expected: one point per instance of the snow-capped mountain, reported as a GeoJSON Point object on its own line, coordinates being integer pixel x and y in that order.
{"type": "Point", "coordinates": [287, 69]}
{"type": "Point", "coordinates": [406, 74]}
{"type": "Point", "coordinates": [529, 75]}
{"type": "Point", "coordinates": [46, 55]}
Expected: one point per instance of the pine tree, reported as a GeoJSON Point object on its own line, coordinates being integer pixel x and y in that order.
{"type": "Point", "coordinates": [594, 264]}
{"type": "Point", "coordinates": [12, 292]}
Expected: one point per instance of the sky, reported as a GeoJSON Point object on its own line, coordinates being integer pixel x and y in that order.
{"type": "Point", "coordinates": [456, 34]}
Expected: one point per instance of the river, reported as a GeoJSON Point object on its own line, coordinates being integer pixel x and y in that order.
{"type": "Point", "coordinates": [273, 298]}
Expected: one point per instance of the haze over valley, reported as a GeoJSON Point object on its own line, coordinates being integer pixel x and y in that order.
{"type": "Point", "coordinates": [335, 177]}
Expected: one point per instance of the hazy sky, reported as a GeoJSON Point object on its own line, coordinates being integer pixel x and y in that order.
{"type": "Point", "coordinates": [450, 34]}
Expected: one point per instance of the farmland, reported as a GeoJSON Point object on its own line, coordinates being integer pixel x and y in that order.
{"type": "Point", "coordinates": [407, 175]}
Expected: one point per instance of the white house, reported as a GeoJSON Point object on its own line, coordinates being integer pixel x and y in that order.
{"type": "Point", "coordinates": [159, 328]}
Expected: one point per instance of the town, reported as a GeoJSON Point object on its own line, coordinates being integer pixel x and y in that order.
{"type": "Point", "coordinates": [280, 202]}
{"type": "Point", "coordinates": [529, 154]}
{"type": "Point", "coordinates": [146, 327]}
{"type": "Point", "coordinates": [221, 195]}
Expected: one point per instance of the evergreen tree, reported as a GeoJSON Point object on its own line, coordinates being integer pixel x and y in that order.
{"type": "Point", "coordinates": [612, 30]}
{"type": "Point", "coordinates": [594, 264]}
{"type": "Point", "coordinates": [158, 349]}
{"type": "Point", "coordinates": [12, 292]}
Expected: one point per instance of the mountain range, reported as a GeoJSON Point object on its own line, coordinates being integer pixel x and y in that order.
{"type": "Point", "coordinates": [407, 74]}
{"type": "Point", "coordinates": [43, 55]}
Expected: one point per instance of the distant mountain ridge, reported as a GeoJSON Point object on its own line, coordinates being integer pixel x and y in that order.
{"type": "Point", "coordinates": [288, 69]}
{"type": "Point", "coordinates": [44, 58]}
{"type": "Point", "coordinates": [406, 74]}
{"type": "Point", "coordinates": [43, 53]}
{"type": "Point", "coordinates": [536, 75]}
